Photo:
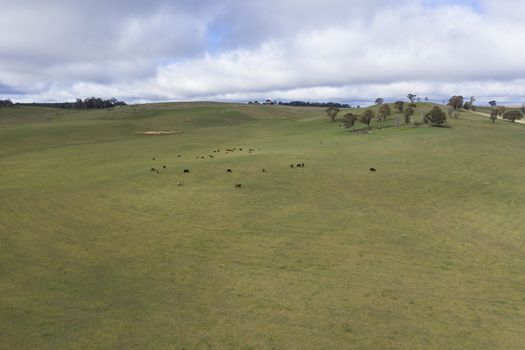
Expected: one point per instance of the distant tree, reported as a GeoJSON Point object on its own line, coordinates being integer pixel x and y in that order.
{"type": "Point", "coordinates": [456, 102]}
{"type": "Point", "coordinates": [379, 101]}
{"type": "Point", "coordinates": [399, 106]}
{"type": "Point", "coordinates": [472, 100]}
{"type": "Point", "coordinates": [384, 111]}
{"type": "Point", "coordinates": [426, 99]}
{"type": "Point", "coordinates": [418, 99]}
{"type": "Point", "coordinates": [349, 120]}
{"type": "Point", "coordinates": [332, 113]}
{"type": "Point", "coordinates": [500, 110]}
{"type": "Point", "coordinates": [512, 115]}
{"type": "Point", "coordinates": [451, 112]}
{"type": "Point", "coordinates": [493, 103]}
{"type": "Point", "coordinates": [467, 106]}
{"type": "Point", "coordinates": [411, 97]}
{"type": "Point", "coordinates": [409, 112]}
{"type": "Point", "coordinates": [436, 117]}
{"type": "Point", "coordinates": [6, 103]}
{"type": "Point", "coordinates": [493, 115]}
{"type": "Point", "coordinates": [367, 117]}
{"type": "Point", "coordinates": [522, 109]}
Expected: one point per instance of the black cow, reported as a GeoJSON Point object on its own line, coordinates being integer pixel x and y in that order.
{"type": "Point", "coordinates": [299, 165]}
{"type": "Point", "coordinates": [264, 170]}
{"type": "Point", "coordinates": [373, 170]}
{"type": "Point", "coordinates": [291, 165]}
{"type": "Point", "coordinates": [228, 170]}
{"type": "Point", "coordinates": [302, 165]}
{"type": "Point", "coordinates": [186, 171]}
{"type": "Point", "coordinates": [153, 158]}
{"type": "Point", "coordinates": [164, 166]}
{"type": "Point", "coordinates": [153, 169]}
{"type": "Point", "coordinates": [238, 185]}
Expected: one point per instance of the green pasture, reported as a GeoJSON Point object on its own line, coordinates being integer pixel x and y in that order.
{"type": "Point", "coordinates": [99, 252]}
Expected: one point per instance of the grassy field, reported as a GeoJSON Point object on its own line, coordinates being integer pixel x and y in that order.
{"type": "Point", "coordinates": [98, 252]}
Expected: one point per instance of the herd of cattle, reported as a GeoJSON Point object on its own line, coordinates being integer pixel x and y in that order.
{"type": "Point", "coordinates": [228, 170]}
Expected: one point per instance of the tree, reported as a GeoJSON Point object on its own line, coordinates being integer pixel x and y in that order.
{"type": "Point", "coordinates": [6, 103]}
{"type": "Point", "coordinates": [492, 103]}
{"type": "Point", "coordinates": [367, 117]}
{"type": "Point", "coordinates": [493, 115]}
{"type": "Point", "coordinates": [379, 101]}
{"type": "Point", "coordinates": [436, 117]}
{"type": "Point", "coordinates": [384, 111]}
{"type": "Point", "coordinates": [512, 115]}
{"type": "Point", "coordinates": [349, 120]}
{"type": "Point", "coordinates": [522, 109]}
{"type": "Point", "coordinates": [399, 106]}
{"type": "Point", "coordinates": [472, 100]}
{"type": "Point", "coordinates": [411, 97]}
{"type": "Point", "coordinates": [456, 102]}
{"type": "Point", "coordinates": [409, 112]}
{"type": "Point", "coordinates": [467, 106]}
{"type": "Point", "coordinates": [500, 110]}
{"type": "Point", "coordinates": [451, 111]}
{"type": "Point", "coordinates": [332, 113]}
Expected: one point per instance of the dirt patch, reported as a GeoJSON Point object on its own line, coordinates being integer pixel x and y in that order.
{"type": "Point", "coordinates": [163, 132]}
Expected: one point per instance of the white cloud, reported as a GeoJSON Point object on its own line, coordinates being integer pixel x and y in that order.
{"type": "Point", "coordinates": [290, 50]}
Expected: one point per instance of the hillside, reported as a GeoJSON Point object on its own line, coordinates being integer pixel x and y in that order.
{"type": "Point", "coordinates": [98, 251]}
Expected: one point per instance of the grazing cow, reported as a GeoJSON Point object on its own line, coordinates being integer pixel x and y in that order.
{"type": "Point", "coordinates": [291, 165]}
{"type": "Point", "coordinates": [299, 165]}
{"type": "Point", "coordinates": [164, 166]}
{"type": "Point", "coordinates": [153, 158]}
{"type": "Point", "coordinates": [158, 172]}
{"type": "Point", "coordinates": [186, 171]}
{"type": "Point", "coordinates": [228, 170]}
{"type": "Point", "coordinates": [240, 149]}
{"type": "Point", "coordinates": [178, 156]}
{"type": "Point", "coordinates": [302, 165]}
{"type": "Point", "coordinates": [373, 170]}
{"type": "Point", "coordinates": [202, 157]}
{"type": "Point", "coordinates": [179, 183]}
{"type": "Point", "coordinates": [211, 156]}
{"type": "Point", "coordinates": [238, 185]}
{"type": "Point", "coordinates": [153, 169]}
{"type": "Point", "coordinates": [264, 170]}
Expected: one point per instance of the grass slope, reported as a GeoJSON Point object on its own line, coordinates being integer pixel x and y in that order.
{"type": "Point", "coordinates": [98, 252]}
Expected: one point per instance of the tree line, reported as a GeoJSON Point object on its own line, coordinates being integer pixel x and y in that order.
{"type": "Point", "coordinates": [88, 103]}
{"type": "Point", "coordinates": [301, 104]}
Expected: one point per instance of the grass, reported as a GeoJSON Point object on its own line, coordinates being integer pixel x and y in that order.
{"type": "Point", "coordinates": [98, 252]}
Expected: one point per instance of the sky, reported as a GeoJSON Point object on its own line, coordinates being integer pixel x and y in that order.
{"type": "Point", "coordinates": [240, 50]}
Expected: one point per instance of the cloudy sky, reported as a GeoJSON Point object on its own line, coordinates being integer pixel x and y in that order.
{"type": "Point", "coordinates": [240, 50]}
